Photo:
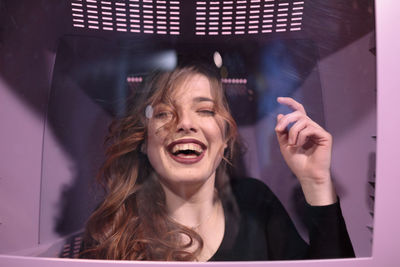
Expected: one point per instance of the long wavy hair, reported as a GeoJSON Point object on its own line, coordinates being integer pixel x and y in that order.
{"type": "Point", "coordinates": [132, 222]}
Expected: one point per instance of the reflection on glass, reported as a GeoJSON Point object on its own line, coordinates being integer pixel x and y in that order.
{"type": "Point", "coordinates": [323, 61]}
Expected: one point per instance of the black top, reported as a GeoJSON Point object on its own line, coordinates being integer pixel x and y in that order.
{"type": "Point", "coordinates": [262, 229]}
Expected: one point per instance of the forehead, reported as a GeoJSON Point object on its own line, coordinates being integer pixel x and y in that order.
{"type": "Point", "coordinates": [194, 86]}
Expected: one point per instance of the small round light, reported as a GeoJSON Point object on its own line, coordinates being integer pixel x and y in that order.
{"type": "Point", "coordinates": [217, 59]}
{"type": "Point", "coordinates": [149, 112]}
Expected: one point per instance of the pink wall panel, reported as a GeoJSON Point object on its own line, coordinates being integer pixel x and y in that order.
{"type": "Point", "coordinates": [349, 94]}
{"type": "Point", "coordinates": [26, 61]}
{"type": "Point", "coordinates": [386, 244]}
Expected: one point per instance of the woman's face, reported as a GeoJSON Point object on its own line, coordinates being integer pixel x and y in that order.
{"type": "Point", "coordinates": [191, 152]}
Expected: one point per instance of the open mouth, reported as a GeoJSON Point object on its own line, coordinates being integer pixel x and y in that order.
{"type": "Point", "coordinates": [187, 150]}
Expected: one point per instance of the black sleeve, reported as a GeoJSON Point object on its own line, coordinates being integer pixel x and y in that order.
{"type": "Point", "coordinates": [279, 237]}
{"type": "Point", "coordinates": [284, 242]}
{"type": "Point", "coordinates": [327, 232]}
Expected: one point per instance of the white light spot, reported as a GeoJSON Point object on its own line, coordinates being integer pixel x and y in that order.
{"type": "Point", "coordinates": [149, 112]}
{"type": "Point", "coordinates": [217, 59]}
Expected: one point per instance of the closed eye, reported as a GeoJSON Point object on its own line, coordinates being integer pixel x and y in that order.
{"type": "Point", "coordinates": [163, 115]}
{"type": "Point", "coordinates": [207, 112]}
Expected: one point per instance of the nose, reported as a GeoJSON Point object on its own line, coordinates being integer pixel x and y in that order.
{"type": "Point", "coordinates": [186, 122]}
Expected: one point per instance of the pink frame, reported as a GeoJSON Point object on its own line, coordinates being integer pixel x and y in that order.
{"type": "Point", "coordinates": [386, 243]}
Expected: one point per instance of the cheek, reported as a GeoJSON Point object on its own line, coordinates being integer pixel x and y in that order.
{"type": "Point", "coordinates": [216, 133]}
{"type": "Point", "coordinates": [154, 141]}
{"type": "Point", "coordinates": [153, 151]}
{"type": "Point", "coordinates": [220, 128]}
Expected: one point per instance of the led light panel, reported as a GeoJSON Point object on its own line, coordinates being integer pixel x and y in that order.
{"type": "Point", "coordinates": [134, 16]}
{"type": "Point", "coordinates": [224, 17]}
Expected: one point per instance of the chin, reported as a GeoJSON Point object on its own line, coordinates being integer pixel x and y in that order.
{"type": "Point", "coordinates": [185, 179]}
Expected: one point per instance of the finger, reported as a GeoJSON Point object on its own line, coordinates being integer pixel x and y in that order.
{"type": "Point", "coordinates": [281, 135]}
{"type": "Point", "coordinates": [293, 104]}
{"type": "Point", "coordinates": [282, 138]}
{"type": "Point", "coordinates": [311, 131]}
{"type": "Point", "coordinates": [278, 119]}
{"type": "Point", "coordinates": [304, 136]}
{"type": "Point", "coordinates": [287, 119]}
{"type": "Point", "coordinates": [295, 130]}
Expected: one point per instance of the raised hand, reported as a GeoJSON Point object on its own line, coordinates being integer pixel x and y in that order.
{"type": "Point", "coordinates": [306, 148]}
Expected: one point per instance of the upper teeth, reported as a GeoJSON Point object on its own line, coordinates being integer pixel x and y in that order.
{"type": "Point", "coordinates": [187, 146]}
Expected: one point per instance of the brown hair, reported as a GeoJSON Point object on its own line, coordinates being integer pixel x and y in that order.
{"type": "Point", "coordinates": [131, 223]}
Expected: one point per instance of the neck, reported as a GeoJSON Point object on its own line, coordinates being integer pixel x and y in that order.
{"type": "Point", "coordinates": [191, 205]}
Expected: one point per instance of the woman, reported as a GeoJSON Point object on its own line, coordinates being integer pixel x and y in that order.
{"type": "Point", "coordinates": [173, 192]}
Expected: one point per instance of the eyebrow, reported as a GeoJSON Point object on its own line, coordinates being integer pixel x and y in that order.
{"type": "Point", "coordinates": [203, 99]}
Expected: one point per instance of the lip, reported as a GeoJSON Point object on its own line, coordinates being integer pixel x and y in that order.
{"type": "Point", "coordinates": [186, 160]}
